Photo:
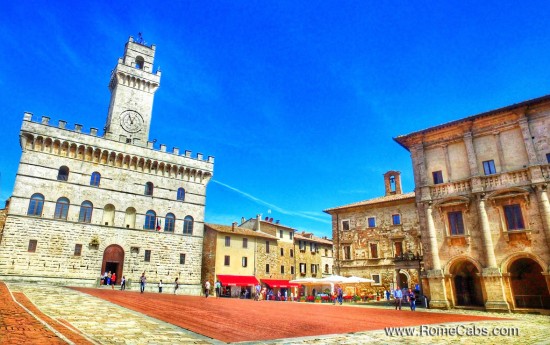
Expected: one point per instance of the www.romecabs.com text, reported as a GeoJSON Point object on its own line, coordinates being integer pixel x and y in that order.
{"type": "Point", "coordinates": [451, 331]}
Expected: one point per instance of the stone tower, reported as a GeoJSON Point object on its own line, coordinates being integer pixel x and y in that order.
{"type": "Point", "coordinates": [133, 85]}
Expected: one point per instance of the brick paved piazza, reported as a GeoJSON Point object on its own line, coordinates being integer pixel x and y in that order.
{"type": "Point", "coordinates": [44, 314]}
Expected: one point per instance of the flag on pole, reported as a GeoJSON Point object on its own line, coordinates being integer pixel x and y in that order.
{"type": "Point", "coordinates": [158, 224]}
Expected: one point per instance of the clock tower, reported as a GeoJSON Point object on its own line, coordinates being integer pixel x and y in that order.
{"type": "Point", "coordinates": [133, 85]}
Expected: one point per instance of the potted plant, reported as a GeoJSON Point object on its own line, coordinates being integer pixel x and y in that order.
{"type": "Point", "coordinates": [309, 298]}
{"type": "Point", "coordinates": [302, 299]}
{"type": "Point", "coordinates": [317, 299]}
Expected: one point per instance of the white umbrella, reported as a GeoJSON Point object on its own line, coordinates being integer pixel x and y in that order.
{"type": "Point", "coordinates": [306, 281]}
{"type": "Point", "coordinates": [356, 280]}
{"type": "Point", "coordinates": [334, 279]}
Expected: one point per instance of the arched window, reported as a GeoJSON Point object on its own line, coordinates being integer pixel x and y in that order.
{"type": "Point", "coordinates": [149, 188]}
{"type": "Point", "coordinates": [108, 215]}
{"type": "Point", "coordinates": [139, 62]}
{"type": "Point", "coordinates": [35, 205]}
{"type": "Point", "coordinates": [95, 179]}
{"type": "Point", "coordinates": [63, 174]}
{"type": "Point", "coordinates": [61, 208]}
{"type": "Point", "coordinates": [188, 225]}
{"type": "Point", "coordinates": [181, 194]}
{"type": "Point", "coordinates": [86, 209]}
{"type": "Point", "coordinates": [130, 218]}
{"type": "Point", "coordinates": [169, 222]}
{"type": "Point", "coordinates": [150, 220]}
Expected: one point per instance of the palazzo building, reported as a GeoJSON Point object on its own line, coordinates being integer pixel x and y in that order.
{"type": "Point", "coordinates": [379, 238]}
{"type": "Point", "coordinates": [84, 203]}
{"type": "Point", "coordinates": [481, 188]}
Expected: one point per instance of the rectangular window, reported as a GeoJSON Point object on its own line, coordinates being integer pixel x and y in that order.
{"type": "Point", "coordinates": [313, 269]}
{"type": "Point", "coordinates": [245, 242]}
{"type": "Point", "coordinates": [312, 247]}
{"type": "Point", "coordinates": [282, 269]}
{"type": "Point", "coordinates": [291, 269]}
{"type": "Point", "coordinates": [226, 260]}
{"type": "Point", "coordinates": [548, 158]}
{"type": "Point", "coordinates": [266, 268]}
{"type": "Point", "coordinates": [282, 252]}
{"type": "Point", "coordinates": [514, 219]}
{"type": "Point", "coordinates": [280, 233]}
{"type": "Point", "coordinates": [374, 251]}
{"type": "Point", "coordinates": [182, 259]}
{"type": "Point", "coordinates": [372, 222]}
{"type": "Point", "coordinates": [302, 245]}
{"type": "Point", "coordinates": [489, 167]}
{"type": "Point", "coordinates": [32, 246]}
{"type": "Point", "coordinates": [267, 246]}
{"type": "Point", "coordinates": [302, 268]}
{"type": "Point", "coordinates": [227, 241]}
{"type": "Point", "coordinates": [345, 225]}
{"type": "Point", "coordinates": [245, 261]}
{"type": "Point", "coordinates": [438, 176]}
{"type": "Point", "coordinates": [291, 234]}
{"type": "Point", "coordinates": [456, 224]}
{"type": "Point", "coordinates": [292, 253]}
{"type": "Point", "coordinates": [396, 219]}
{"type": "Point", "coordinates": [77, 249]}
{"type": "Point", "coordinates": [376, 278]}
{"type": "Point", "coordinates": [398, 248]}
{"type": "Point", "coordinates": [347, 253]}
{"type": "Point", "coordinates": [147, 257]}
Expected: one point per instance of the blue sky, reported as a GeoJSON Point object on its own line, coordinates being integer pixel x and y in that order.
{"type": "Point", "coordinates": [297, 101]}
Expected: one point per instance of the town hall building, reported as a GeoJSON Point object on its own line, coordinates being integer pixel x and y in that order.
{"type": "Point", "coordinates": [84, 204]}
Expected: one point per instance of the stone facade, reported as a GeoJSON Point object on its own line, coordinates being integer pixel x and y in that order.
{"type": "Point", "coordinates": [379, 238]}
{"type": "Point", "coordinates": [314, 256]}
{"type": "Point", "coordinates": [481, 194]}
{"type": "Point", "coordinates": [83, 204]}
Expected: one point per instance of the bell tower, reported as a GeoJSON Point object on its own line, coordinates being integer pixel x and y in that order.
{"type": "Point", "coordinates": [133, 85]}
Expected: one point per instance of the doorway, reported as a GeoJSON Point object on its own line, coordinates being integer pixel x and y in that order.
{"type": "Point", "coordinates": [113, 261]}
{"type": "Point", "coordinates": [529, 285]}
{"type": "Point", "coordinates": [467, 285]}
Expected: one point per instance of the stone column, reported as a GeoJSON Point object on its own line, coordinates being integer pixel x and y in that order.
{"type": "Point", "coordinates": [435, 277]}
{"type": "Point", "coordinates": [488, 248]}
{"type": "Point", "coordinates": [472, 162]}
{"type": "Point", "coordinates": [432, 238]}
{"type": "Point", "coordinates": [502, 162]}
{"type": "Point", "coordinates": [491, 276]}
{"type": "Point", "coordinates": [527, 139]}
{"type": "Point", "coordinates": [544, 206]}
{"type": "Point", "coordinates": [447, 163]}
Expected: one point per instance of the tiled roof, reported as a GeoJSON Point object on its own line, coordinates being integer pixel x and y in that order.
{"type": "Point", "coordinates": [313, 239]}
{"type": "Point", "coordinates": [238, 230]}
{"type": "Point", "coordinates": [378, 200]}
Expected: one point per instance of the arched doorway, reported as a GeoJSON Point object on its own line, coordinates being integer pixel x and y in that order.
{"type": "Point", "coordinates": [113, 260]}
{"type": "Point", "coordinates": [528, 284]}
{"type": "Point", "coordinates": [403, 281]}
{"type": "Point", "coordinates": [467, 285]}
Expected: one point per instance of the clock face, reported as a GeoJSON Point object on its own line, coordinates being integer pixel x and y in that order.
{"type": "Point", "coordinates": [131, 121]}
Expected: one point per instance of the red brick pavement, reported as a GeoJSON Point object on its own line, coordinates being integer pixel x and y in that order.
{"type": "Point", "coordinates": [234, 320]}
{"type": "Point", "coordinates": [17, 326]}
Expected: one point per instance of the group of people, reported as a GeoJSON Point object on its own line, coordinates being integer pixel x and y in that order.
{"type": "Point", "coordinates": [109, 278]}
{"type": "Point", "coordinates": [407, 295]}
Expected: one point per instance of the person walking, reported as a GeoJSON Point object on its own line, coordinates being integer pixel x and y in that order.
{"type": "Point", "coordinates": [398, 295]}
{"type": "Point", "coordinates": [123, 283]}
{"type": "Point", "coordinates": [218, 287]}
{"type": "Point", "coordinates": [412, 299]}
{"type": "Point", "coordinates": [142, 281]}
{"type": "Point", "coordinates": [176, 285]}
{"type": "Point", "coordinates": [388, 294]}
{"type": "Point", "coordinates": [340, 295]}
{"type": "Point", "coordinates": [160, 286]}
{"type": "Point", "coordinates": [258, 290]}
{"type": "Point", "coordinates": [113, 281]}
{"type": "Point", "coordinates": [207, 288]}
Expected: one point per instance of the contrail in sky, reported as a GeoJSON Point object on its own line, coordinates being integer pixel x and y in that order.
{"type": "Point", "coordinates": [271, 206]}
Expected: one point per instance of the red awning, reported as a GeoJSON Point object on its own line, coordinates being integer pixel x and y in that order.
{"type": "Point", "coordinates": [279, 283]}
{"type": "Point", "coordinates": [237, 280]}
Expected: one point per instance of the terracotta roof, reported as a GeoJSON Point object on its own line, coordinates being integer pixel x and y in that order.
{"type": "Point", "coordinates": [401, 138]}
{"type": "Point", "coordinates": [378, 200]}
{"type": "Point", "coordinates": [239, 231]}
{"type": "Point", "coordinates": [316, 239]}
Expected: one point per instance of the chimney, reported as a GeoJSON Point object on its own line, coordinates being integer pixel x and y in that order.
{"type": "Point", "coordinates": [243, 220]}
{"type": "Point", "coordinates": [233, 226]}
{"type": "Point", "coordinates": [258, 220]}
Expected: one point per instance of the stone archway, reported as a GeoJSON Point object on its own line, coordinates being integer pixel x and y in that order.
{"type": "Point", "coordinates": [113, 260]}
{"type": "Point", "coordinates": [529, 288]}
{"type": "Point", "coordinates": [466, 283]}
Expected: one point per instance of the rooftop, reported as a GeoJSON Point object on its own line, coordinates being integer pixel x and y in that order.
{"type": "Point", "coordinates": [379, 200]}
{"type": "Point", "coordinates": [238, 230]}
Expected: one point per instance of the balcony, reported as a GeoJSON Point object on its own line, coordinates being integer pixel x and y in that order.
{"type": "Point", "coordinates": [506, 179]}
{"type": "Point", "coordinates": [452, 188]}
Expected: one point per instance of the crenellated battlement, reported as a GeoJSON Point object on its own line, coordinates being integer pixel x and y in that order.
{"type": "Point", "coordinates": [93, 132]}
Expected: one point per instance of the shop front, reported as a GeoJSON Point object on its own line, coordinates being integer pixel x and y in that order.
{"type": "Point", "coordinates": [237, 286]}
